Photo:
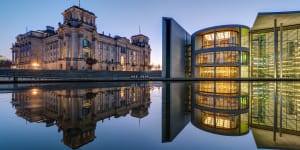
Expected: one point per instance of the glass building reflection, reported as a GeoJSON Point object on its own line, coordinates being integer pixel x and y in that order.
{"type": "Point", "coordinates": [269, 110]}
{"type": "Point", "coordinates": [221, 107]}
{"type": "Point", "coordinates": [275, 114]}
{"type": "Point", "coordinates": [76, 111]}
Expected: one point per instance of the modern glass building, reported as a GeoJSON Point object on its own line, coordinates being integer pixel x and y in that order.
{"type": "Point", "coordinates": [270, 49]}
{"type": "Point", "coordinates": [275, 45]}
{"type": "Point", "coordinates": [221, 52]}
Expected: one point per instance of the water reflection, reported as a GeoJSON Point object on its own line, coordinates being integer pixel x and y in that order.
{"type": "Point", "coordinates": [269, 110]}
{"type": "Point", "coordinates": [76, 111]}
{"type": "Point", "coordinates": [176, 107]}
{"type": "Point", "coordinates": [275, 114]}
{"type": "Point", "coordinates": [221, 107]}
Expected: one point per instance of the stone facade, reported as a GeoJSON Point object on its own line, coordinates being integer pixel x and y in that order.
{"type": "Point", "coordinates": [76, 112]}
{"type": "Point", "coordinates": [76, 45]}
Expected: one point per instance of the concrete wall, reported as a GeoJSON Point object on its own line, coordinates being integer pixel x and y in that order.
{"type": "Point", "coordinates": [174, 42]}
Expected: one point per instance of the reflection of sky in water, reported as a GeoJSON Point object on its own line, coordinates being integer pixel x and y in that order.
{"type": "Point", "coordinates": [124, 132]}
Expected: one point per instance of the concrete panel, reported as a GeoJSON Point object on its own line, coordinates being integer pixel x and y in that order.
{"type": "Point", "coordinates": [175, 39]}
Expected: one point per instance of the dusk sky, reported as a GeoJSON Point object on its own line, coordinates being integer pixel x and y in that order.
{"type": "Point", "coordinates": [123, 17]}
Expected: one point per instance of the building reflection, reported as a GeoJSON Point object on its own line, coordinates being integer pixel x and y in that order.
{"type": "Point", "coordinates": [275, 114]}
{"type": "Point", "coordinates": [76, 111]}
{"type": "Point", "coordinates": [221, 107]}
{"type": "Point", "coordinates": [268, 110]}
{"type": "Point", "coordinates": [176, 107]}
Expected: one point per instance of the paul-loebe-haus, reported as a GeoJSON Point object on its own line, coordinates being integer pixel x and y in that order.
{"type": "Point", "coordinates": [76, 45]}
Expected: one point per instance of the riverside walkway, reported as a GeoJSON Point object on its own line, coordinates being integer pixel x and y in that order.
{"type": "Point", "coordinates": [18, 75]}
{"type": "Point", "coordinates": [28, 76]}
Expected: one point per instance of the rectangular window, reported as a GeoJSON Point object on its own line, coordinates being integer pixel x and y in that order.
{"type": "Point", "coordinates": [244, 71]}
{"type": "Point", "coordinates": [244, 58]}
{"type": "Point", "coordinates": [227, 57]}
{"type": "Point", "coordinates": [227, 72]}
{"type": "Point", "coordinates": [227, 39]}
{"type": "Point", "coordinates": [227, 87]}
{"type": "Point", "coordinates": [245, 37]}
{"type": "Point", "coordinates": [208, 40]}
{"type": "Point", "coordinates": [204, 100]}
{"type": "Point", "coordinates": [205, 58]}
{"type": "Point", "coordinates": [206, 72]}
{"type": "Point", "coordinates": [207, 87]}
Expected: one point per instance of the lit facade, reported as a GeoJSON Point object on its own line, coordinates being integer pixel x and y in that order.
{"type": "Point", "coordinates": [274, 116]}
{"type": "Point", "coordinates": [275, 55]}
{"type": "Point", "coordinates": [221, 52]}
{"type": "Point", "coordinates": [76, 45]}
{"type": "Point", "coordinates": [279, 108]}
{"type": "Point", "coordinates": [270, 49]}
{"type": "Point", "coordinates": [221, 107]}
{"type": "Point", "coordinates": [77, 111]}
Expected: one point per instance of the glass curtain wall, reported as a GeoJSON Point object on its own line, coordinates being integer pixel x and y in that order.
{"type": "Point", "coordinates": [282, 104]}
{"type": "Point", "coordinates": [262, 53]}
{"type": "Point", "coordinates": [222, 52]}
{"type": "Point", "coordinates": [214, 103]}
{"type": "Point", "coordinates": [222, 95]}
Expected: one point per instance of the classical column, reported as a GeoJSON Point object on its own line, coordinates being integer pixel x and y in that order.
{"type": "Point", "coordinates": [68, 51]}
{"type": "Point", "coordinates": [74, 50]}
{"type": "Point", "coordinates": [93, 52]}
{"type": "Point", "coordinates": [80, 47]}
{"type": "Point", "coordinates": [60, 47]}
{"type": "Point", "coordinates": [13, 56]}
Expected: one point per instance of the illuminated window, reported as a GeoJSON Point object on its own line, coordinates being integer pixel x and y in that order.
{"type": "Point", "coordinates": [204, 100]}
{"type": "Point", "coordinates": [209, 37]}
{"type": "Point", "coordinates": [245, 37]}
{"type": "Point", "coordinates": [227, 87]}
{"type": "Point", "coordinates": [206, 87]}
{"type": "Point", "coordinates": [206, 72]}
{"type": "Point", "coordinates": [208, 40]}
{"type": "Point", "coordinates": [205, 58]}
{"type": "Point", "coordinates": [223, 35]}
{"type": "Point", "coordinates": [122, 62]}
{"type": "Point", "coordinates": [134, 57]}
{"type": "Point", "coordinates": [227, 72]}
{"type": "Point", "coordinates": [225, 102]}
{"type": "Point", "coordinates": [122, 92]}
{"type": "Point", "coordinates": [227, 57]}
{"type": "Point", "coordinates": [222, 122]}
{"type": "Point", "coordinates": [226, 38]}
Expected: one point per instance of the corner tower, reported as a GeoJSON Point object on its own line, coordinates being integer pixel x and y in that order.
{"type": "Point", "coordinates": [77, 17]}
{"type": "Point", "coordinates": [142, 42]}
{"type": "Point", "coordinates": [77, 33]}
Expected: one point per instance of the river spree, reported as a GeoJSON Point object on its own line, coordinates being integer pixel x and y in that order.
{"type": "Point", "coordinates": [150, 115]}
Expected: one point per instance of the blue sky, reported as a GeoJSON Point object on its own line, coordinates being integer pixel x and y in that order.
{"type": "Point", "coordinates": [123, 17]}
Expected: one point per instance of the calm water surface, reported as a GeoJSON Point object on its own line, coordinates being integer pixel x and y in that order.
{"type": "Point", "coordinates": [153, 115]}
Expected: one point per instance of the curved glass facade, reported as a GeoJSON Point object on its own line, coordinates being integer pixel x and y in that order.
{"type": "Point", "coordinates": [220, 122]}
{"type": "Point", "coordinates": [221, 107]}
{"type": "Point", "coordinates": [221, 52]}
